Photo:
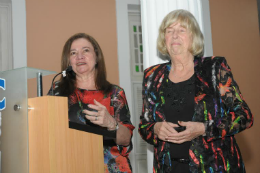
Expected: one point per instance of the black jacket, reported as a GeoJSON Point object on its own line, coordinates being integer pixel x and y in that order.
{"type": "Point", "coordinates": [218, 104]}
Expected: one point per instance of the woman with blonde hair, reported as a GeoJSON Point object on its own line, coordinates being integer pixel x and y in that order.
{"type": "Point", "coordinates": [192, 106]}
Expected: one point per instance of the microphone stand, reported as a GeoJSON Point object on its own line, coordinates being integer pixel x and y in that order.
{"type": "Point", "coordinates": [69, 69]}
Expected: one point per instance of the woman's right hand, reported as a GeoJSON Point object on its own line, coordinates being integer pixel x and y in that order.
{"type": "Point", "coordinates": [164, 129]}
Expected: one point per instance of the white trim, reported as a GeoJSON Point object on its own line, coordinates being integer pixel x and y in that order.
{"type": "Point", "coordinates": [123, 47]}
{"type": "Point", "coordinates": [208, 51]}
{"type": "Point", "coordinates": [19, 33]}
{"type": "Point", "coordinates": [6, 50]}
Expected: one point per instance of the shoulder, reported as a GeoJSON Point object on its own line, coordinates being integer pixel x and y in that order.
{"type": "Point", "coordinates": [116, 90]}
{"type": "Point", "coordinates": [210, 62]}
{"type": "Point", "coordinates": [213, 60]}
{"type": "Point", "coordinates": [155, 68]}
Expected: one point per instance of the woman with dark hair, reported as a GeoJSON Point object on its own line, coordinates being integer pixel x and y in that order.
{"type": "Point", "coordinates": [192, 106]}
{"type": "Point", "coordinates": [95, 101]}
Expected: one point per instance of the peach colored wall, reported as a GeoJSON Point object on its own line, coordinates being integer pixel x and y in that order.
{"type": "Point", "coordinates": [235, 35]}
{"type": "Point", "coordinates": [51, 22]}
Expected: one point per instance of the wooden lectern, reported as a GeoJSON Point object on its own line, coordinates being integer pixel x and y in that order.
{"type": "Point", "coordinates": [35, 134]}
{"type": "Point", "coordinates": [54, 147]}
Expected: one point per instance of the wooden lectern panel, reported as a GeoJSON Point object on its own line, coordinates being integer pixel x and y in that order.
{"type": "Point", "coordinates": [54, 147]}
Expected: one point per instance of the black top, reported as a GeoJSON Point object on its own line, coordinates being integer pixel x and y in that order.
{"type": "Point", "coordinates": [179, 106]}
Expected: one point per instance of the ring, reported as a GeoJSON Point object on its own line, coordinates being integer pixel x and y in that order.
{"type": "Point", "coordinates": [96, 119]}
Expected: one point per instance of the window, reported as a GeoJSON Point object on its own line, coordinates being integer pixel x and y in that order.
{"type": "Point", "coordinates": [136, 46]}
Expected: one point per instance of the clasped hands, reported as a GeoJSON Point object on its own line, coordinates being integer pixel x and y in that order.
{"type": "Point", "coordinates": [101, 116]}
{"type": "Point", "coordinates": [166, 132]}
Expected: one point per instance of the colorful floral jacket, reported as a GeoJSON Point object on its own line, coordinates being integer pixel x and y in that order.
{"type": "Point", "coordinates": [218, 104]}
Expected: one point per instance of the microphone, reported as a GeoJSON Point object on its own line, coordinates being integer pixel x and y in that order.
{"type": "Point", "coordinates": [67, 70]}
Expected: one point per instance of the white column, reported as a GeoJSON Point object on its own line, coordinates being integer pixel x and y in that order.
{"type": "Point", "coordinates": [19, 33]}
{"type": "Point", "coordinates": [152, 13]}
{"type": "Point", "coordinates": [124, 59]}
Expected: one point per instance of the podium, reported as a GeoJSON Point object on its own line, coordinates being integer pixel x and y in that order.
{"type": "Point", "coordinates": [35, 134]}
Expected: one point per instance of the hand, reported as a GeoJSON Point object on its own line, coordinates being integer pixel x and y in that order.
{"type": "Point", "coordinates": [193, 130]}
{"type": "Point", "coordinates": [164, 129]}
{"type": "Point", "coordinates": [101, 117]}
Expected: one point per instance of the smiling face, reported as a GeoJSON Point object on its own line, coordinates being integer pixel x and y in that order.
{"type": "Point", "coordinates": [178, 40]}
{"type": "Point", "coordinates": [82, 57]}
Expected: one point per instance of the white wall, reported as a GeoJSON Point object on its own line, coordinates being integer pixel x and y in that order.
{"type": "Point", "coordinates": [19, 33]}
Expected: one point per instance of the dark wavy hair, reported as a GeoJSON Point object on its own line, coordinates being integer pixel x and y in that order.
{"type": "Point", "coordinates": [67, 85]}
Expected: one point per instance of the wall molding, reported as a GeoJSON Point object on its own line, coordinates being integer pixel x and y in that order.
{"type": "Point", "coordinates": [19, 33]}
{"type": "Point", "coordinates": [6, 48]}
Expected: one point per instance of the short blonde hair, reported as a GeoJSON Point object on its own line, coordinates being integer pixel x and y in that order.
{"type": "Point", "coordinates": [188, 21]}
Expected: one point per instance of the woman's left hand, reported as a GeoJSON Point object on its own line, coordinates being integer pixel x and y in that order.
{"type": "Point", "coordinates": [193, 130]}
{"type": "Point", "coordinates": [101, 117]}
